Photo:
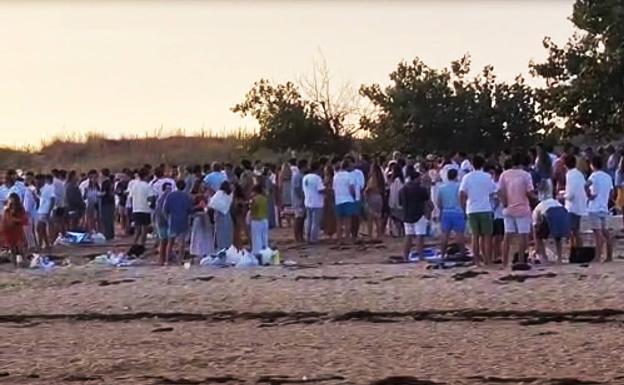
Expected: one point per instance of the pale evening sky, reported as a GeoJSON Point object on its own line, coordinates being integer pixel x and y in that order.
{"type": "Point", "coordinates": [130, 67]}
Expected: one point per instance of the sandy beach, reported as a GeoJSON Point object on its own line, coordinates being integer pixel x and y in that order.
{"type": "Point", "coordinates": [341, 316]}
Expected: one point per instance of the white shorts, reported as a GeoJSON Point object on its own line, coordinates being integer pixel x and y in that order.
{"type": "Point", "coordinates": [418, 228]}
{"type": "Point", "coordinates": [518, 225]}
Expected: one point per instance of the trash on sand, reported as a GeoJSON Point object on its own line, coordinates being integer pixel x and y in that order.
{"type": "Point", "coordinates": [115, 260]}
{"type": "Point", "coordinates": [41, 262]}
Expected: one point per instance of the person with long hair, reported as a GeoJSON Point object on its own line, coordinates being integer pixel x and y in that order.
{"type": "Point", "coordinates": [202, 229]}
{"type": "Point", "coordinates": [13, 222]}
{"type": "Point", "coordinates": [92, 198]}
{"type": "Point", "coordinates": [544, 170]}
{"type": "Point", "coordinates": [240, 208]}
{"type": "Point", "coordinates": [221, 203]}
{"type": "Point", "coordinates": [397, 181]}
{"type": "Point", "coordinates": [328, 223]}
{"type": "Point", "coordinates": [284, 181]}
{"type": "Point", "coordinates": [374, 198]}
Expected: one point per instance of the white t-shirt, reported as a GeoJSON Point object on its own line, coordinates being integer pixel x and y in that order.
{"type": "Point", "coordinates": [59, 190]}
{"type": "Point", "coordinates": [343, 180]}
{"type": "Point", "coordinates": [478, 186]}
{"type": "Point", "coordinates": [158, 184]}
{"type": "Point", "coordinates": [46, 199]}
{"type": "Point", "coordinates": [542, 207]}
{"type": "Point", "coordinates": [601, 186]}
{"type": "Point", "coordinates": [312, 187]}
{"type": "Point", "coordinates": [140, 193]}
{"type": "Point", "coordinates": [575, 195]}
{"type": "Point", "coordinates": [30, 201]}
{"type": "Point", "coordinates": [360, 182]}
{"type": "Point", "coordinates": [131, 183]}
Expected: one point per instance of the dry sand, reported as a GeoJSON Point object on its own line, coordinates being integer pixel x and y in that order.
{"type": "Point", "coordinates": [344, 317]}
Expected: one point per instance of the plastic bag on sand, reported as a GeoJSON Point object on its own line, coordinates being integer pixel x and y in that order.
{"type": "Point", "coordinates": [214, 260]}
{"type": "Point", "coordinates": [98, 238]}
{"type": "Point", "coordinates": [232, 255]}
{"type": "Point", "coordinates": [269, 257]}
{"type": "Point", "coordinates": [114, 260]}
{"type": "Point", "coordinates": [41, 262]}
{"type": "Point", "coordinates": [247, 260]}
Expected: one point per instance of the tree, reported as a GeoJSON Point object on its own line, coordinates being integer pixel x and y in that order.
{"type": "Point", "coordinates": [337, 106]}
{"type": "Point", "coordinates": [427, 109]}
{"type": "Point", "coordinates": [286, 120]}
{"type": "Point", "coordinates": [585, 78]}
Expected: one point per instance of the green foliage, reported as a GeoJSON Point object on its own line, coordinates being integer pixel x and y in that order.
{"type": "Point", "coordinates": [289, 122]}
{"type": "Point", "coordinates": [585, 78]}
{"type": "Point", "coordinates": [426, 109]}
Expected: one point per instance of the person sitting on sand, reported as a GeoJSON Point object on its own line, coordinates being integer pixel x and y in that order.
{"type": "Point", "coordinates": [550, 220]}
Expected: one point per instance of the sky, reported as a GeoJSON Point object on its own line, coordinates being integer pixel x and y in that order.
{"type": "Point", "coordinates": [137, 67]}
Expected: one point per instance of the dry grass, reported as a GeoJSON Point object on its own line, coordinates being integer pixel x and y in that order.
{"type": "Point", "coordinates": [97, 151]}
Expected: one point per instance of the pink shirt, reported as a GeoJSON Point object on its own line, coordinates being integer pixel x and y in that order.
{"type": "Point", "coordinates": [516, 184]}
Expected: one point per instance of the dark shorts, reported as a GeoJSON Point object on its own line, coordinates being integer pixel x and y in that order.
{"type": "Point", "coordinates": [142, 219]}
{"type": "Point", "coordinates": [499, 227]}
{"type": "Point", "coordinates": [575, 223]}
{"type": "Point", "coordinates": [346, 210]}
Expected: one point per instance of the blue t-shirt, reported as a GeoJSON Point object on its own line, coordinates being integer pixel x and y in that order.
{"type": "Point", "coordinates": [214, 180]}
{"type": "Point", "coordinates": [178, 208]}
{"type": "Point", "coordinates": [449, 196]}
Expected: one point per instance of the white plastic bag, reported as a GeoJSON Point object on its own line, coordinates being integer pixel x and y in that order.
{"type": "Point", "coordinates": [247, 260]}
{"type": "Point", "coordinates": [232, 256]}
{"type": "Point", "coordinates": [221, 202]}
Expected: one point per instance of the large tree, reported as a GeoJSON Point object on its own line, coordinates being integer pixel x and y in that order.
{"type": "Point", "coordinates": [584, 79]}
{"type": "Point", "coordinates": [427, 109]}
{"type": "Point", "coordinates": [289, 121]}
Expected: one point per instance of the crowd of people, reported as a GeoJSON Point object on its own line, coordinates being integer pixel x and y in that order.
{"type": "Point", "coordinates": [502, 199]}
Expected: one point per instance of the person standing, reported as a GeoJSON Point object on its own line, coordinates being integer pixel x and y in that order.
{"type": "Point", "coordinates": [600, 191]}
{"type": "Point", "coordinates": [298, 200]}
{"type": "Point", "coordinates": [44, 212]}
{"type": "Point", "coordinates": [313, 190]}
{"type": "Point", "coordinates": [414, 200]}
{"type": "Point", "coordinates": [74, 203]}
{"type": "Point", "coordinates": [329, 206]}
{"type": "Point", "coordinates": [359, 209]}
{"type": "Point", "coordinates": [143, 198]}
{"type": "Point", "coordinates": [516, 187]}
{"type": "Point", "coordinates": [92, 198]}
{"type": "Point", "coordinates": [285, 196]}
{"type": "Point", "coordinates": [107, 205]}
{"type": "Point", "coordinates": [30, 206]}
{"type": "Point", "coordinates": [221, 203]}
{"type": "Point", "coordinates": [178, 209]}
{"type": "Point", "coordinates": [59, 214]}
{"type": "Point", "coordinates": [14, 221]}
{"type": "Point", "coordinates": [452, 217]}
{"type": "Point", "coordinates": [374, 198]}
{"type": "Point", "coordinates": [344, 192]}
{"type": "Point", "coordinates": [161, 223]}
{"type": "Point", "coordinates": [215, 178]}
{"type": "Point", "coordinates": [259, 219]}
{"type": "Point", "coordinates": [476, 189]}
{"type": "Point", "coordinates": [575, 197]}
{"type": "Point", "coordinates": [202, 230]}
